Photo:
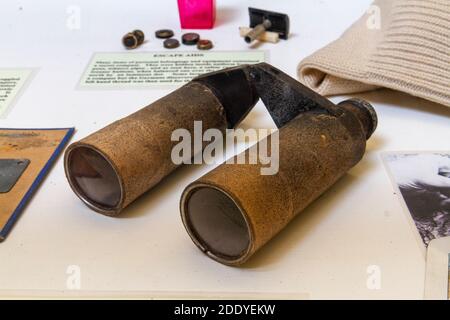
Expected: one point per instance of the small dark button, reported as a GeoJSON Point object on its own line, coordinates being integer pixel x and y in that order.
{"type": "Point", "coordinates": [204, 44]}
{"type": "Point", "coordinates": [190, 38]}
{"type": "Point", "coordinates": [164, 33]}
{"type": "Point", "coordinates": [140, 36]}
{"type": "Point", "coordinates": [171, 43]}
{"type": "Point", "coordinates": [130, 41]}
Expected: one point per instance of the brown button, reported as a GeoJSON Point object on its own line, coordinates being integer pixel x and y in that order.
{"type": "Point", "coordinates": [164, 33]}
{"type": "Point", "coordinates": [140, 36]}
{"type": "Point", "coordinates": [190, 38]}
{"type": "Point", "coordinates": [171, 43]}
{"type": "Point", "coordinates": [204, 44]}
{"type": "Point", "coordinates": [130, 41]}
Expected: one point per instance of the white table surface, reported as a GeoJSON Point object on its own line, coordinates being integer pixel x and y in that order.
{"type": "Point", "coordinates": [324, 253]}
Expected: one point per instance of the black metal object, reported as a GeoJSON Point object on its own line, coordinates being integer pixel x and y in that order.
{"type": "Point", "coordinates": [234, 89]}
{"type": "Point", "coordinates": [10, 172]}
{"type": "Point", "coordinates": [239, 88]}
{"type": "Point", "coordinates": [283, 96]}
{"type": "Point", "coordinates": [263, 20]}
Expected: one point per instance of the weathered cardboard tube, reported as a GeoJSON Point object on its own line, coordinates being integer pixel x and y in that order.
{"type": "Point", "coordinates": [232, 211]}
{"type": "Point", "coordinates": [114, 166]}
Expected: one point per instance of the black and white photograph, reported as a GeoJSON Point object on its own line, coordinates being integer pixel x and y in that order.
{"type": "Point", "coordinates": [437, 279]}
{"type": "Point", "coordinates": [423, 180]}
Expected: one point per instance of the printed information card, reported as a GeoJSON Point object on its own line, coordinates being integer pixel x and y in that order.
{"type": "Point", "coordinates": [11, 82]}
{"type": "Point", "coordinates": [159, 69]}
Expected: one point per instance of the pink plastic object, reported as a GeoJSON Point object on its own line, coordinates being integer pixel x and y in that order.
{"type": "Point", "coordinates": [197, 14]}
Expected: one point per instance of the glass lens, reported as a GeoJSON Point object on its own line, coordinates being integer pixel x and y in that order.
{"type": "Point", "coordinates": [217, 223]}
{"type": "Point", "coordinates": [94, 178]}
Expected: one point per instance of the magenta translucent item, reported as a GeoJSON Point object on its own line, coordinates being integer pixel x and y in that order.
{"type": "Point", "coordinates": [197, 14]}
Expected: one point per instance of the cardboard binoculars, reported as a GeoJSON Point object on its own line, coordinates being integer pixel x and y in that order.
{"type": "Point", "coordinates": [233, 210]}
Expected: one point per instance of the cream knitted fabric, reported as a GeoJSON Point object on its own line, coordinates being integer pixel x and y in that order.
{"type": "Point", "coordinates": [409, 50]}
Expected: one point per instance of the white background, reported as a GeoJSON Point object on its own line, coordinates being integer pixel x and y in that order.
{"type": "Point", "coordinates": [324, 253]}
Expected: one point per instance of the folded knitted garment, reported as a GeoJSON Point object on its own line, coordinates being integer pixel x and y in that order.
{"type": "Point", "coordinates": [398, 44]}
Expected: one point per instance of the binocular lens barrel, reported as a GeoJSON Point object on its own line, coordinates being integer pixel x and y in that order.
{"type": "Point", "coordinates": [94, 178]}
{"type": "Point", "coordinates": [112, 167]}
{"type": "Point", "coordinates": [233, 211]}
{"type": "Point", "coordinates": [217, 223]}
